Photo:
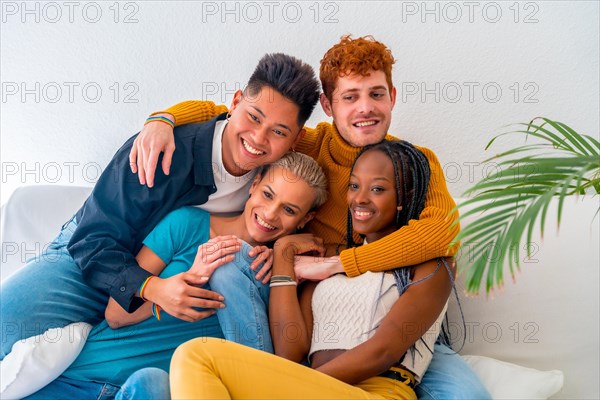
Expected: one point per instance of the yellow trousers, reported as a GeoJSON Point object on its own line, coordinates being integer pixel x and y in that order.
{"type": "Point", "coordinates": [209, 368]}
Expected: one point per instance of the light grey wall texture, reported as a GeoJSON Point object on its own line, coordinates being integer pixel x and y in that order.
{"type": "Point", "coordinates": [78, 77]}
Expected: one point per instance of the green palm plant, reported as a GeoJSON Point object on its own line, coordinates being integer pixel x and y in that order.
{"type": "Point", "coordinates": [508, 203]}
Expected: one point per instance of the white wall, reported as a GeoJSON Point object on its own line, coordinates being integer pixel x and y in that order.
{"type": "Point", "coordinates": [144, 56]}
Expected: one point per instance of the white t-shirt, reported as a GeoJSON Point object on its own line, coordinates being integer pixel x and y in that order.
{"type": "Point", "coordinates": [232, 191]}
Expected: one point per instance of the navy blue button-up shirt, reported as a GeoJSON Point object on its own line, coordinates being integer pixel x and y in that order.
{"type": "Point", "coordinates": [120, 212]}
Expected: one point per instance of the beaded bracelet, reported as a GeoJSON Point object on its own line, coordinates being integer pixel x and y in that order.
{"type": "Point", "coordinates": [157, 118]}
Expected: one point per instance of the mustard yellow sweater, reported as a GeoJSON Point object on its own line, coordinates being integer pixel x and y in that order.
{"type": "Point", "coordinates": [424, 239]}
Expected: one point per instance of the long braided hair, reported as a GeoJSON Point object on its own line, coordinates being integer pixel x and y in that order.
{"type": "Point", "coordinates": [411, 172]}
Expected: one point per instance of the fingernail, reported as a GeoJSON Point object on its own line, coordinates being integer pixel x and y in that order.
{"type": "Point", "coordinates": [221, 298]}
{"type": "Point", "coordinates": [222, 305]}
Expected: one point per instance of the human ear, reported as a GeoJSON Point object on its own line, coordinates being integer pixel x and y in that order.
{"type": "Point", "coordinates": [237, 97]}
{"type": "Point", "coordinates": [307, 218]}
{"type": "Point", "coordinates": [326, 104]}
{"type": "Point", "coordinates": [255, 183]}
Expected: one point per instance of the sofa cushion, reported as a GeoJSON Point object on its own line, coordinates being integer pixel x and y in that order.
{"type": "Point", "coordinates": [510, 381]}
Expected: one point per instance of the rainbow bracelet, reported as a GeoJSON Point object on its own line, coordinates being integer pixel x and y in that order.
{"type": "Point", "coordinates": [156, 311]}
{"type": "Point", "coordinates": [143, 286]}
{"type": "Point", "coordinates": [157, 118]}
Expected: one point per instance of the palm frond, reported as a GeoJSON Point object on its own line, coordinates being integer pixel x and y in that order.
{"type": "Point", "coordinates": [508, 204]}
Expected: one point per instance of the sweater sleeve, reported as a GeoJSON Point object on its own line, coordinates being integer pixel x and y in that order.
{"type": "Point", "coordinates": [424, 239]}
{"type": "Point", "coordinates": [194, 111]}
{"type": "Point", "coordinates": [312, 140]}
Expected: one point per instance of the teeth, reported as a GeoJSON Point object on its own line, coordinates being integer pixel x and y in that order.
{"type": "Point", "coordinates": [251, 149]}
{"type": "Point", "coordinates": [365, 123]}
{"type": "Point", "coordinates": [362, 213]}
{"type": "Point", "coordinates": [262, 222]}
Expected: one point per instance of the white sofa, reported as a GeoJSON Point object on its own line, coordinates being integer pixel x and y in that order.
{"type": "Point", "coordinates": [548, 319]}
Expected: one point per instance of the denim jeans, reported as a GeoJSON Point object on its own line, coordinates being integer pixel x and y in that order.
{"type": "Point", "coordinates": [244, 319]}
{"type": "Point", "coordinates": [450, 377]}
{"type": "Point", "coordinates": [48, 292]}
{"type": "Point", "coordinates": [145, 384]}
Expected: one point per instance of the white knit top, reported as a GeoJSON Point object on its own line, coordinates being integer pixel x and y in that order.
{"type": "Point", "coordinates": [347, 311]}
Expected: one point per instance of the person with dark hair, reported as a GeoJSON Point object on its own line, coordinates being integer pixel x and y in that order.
{"type": "Point", "coordinates": [93, 258]}
{"type": "Point", "coordinates": [356, 75]}
{"type": "Point", "coordinates": [283, 196]}
{"type": "Point", "coordinates": [361, 339]}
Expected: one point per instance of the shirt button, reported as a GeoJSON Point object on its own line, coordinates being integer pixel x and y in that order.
{"type": "Point", "coordinates": [122, 289]}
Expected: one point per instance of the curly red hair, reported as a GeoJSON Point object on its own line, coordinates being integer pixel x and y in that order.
{"type": "Point", "coordinates": [355, 56]}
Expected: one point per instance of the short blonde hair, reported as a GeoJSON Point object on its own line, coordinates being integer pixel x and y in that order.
{"type": "Point", "coordinates": [305, 168]}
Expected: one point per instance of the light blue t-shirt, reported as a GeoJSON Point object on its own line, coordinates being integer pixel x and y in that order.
{"type": "Point", "coordinates": [112, 355]}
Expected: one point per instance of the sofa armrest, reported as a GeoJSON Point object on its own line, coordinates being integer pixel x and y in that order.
{"type": "Point", "coordinates": [32, 218]}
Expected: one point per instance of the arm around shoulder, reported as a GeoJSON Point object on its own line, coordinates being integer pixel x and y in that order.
{"type": "Point", "coordinates": [194, 111]}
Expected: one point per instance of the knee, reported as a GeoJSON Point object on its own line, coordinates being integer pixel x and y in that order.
{"type": "Point", "coordinates": [231, 270]}
{"type": "Point", "coordinates": [198, 349]}
{"type": "Point", "coordinates": [202, 350]}
{"type": "Point", "coordinates": [232, 273]}
{"type": "Point", "coordinates": [147, 383]}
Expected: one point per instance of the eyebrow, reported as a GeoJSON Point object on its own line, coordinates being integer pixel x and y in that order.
{"type": "Point", "coordinates": [289, 204]}
{"type": "Point", "coordinates": [378, 87]}
{"type": "Point", "coordinates": [379, 178]}
{"type": "Point", "coordinates": [258, 110]}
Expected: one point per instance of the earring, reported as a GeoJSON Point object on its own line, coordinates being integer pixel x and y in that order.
{"type": "Point", "coordinates": [228, 116]}
{"type": "Point", "coordinates": [399, 208]}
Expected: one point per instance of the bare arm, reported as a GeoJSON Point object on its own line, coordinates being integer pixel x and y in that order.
{"type": "Point", "coordinates": [115, 315]}
{"type": "Point", "coordinates": [410, 317]}
{"type": "Point", "coordinates": [157, 137]}
{"type": "Point", "coordinates": [210, 256]}
{"type": "Point", "coordinates": [290, 317]}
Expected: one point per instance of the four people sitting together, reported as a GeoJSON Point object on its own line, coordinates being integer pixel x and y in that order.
{"type": "Point", "coordinates": [263, 258]}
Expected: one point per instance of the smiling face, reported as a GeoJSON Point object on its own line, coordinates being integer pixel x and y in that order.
{"type": "Point", "coordinates": [372, 195]}
{"type": "Point", "coordinates": [361, 107]}
{"type": "Point", "coordinates": [279, 203]}
{"type": "Point", "coordinates": [262, 128]}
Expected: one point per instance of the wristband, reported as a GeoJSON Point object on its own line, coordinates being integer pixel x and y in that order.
{"type": "Point", "coordinates": [275, 284]}
{"type": "Point", "coordinates": [156, 311]}
{"type": "Point", "coordinates": [281, 278]}
{"type": "Point", "coordinates": [157, 118]}
{"type": "Point", "coordinates": [143, 286]}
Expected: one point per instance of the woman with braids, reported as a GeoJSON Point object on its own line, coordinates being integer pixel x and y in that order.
{"type": "Point", "coordinates": [368, 337]}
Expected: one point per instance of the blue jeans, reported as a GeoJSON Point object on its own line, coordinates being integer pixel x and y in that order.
{"type": "Point", "coordinates": [48, 292]}
{"type": "Point", "coordinates": [244, 319]}
{"type": "Point", "coordinates": [146, 384]}
{"type": "Point", "coordinates": [450, 377]}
